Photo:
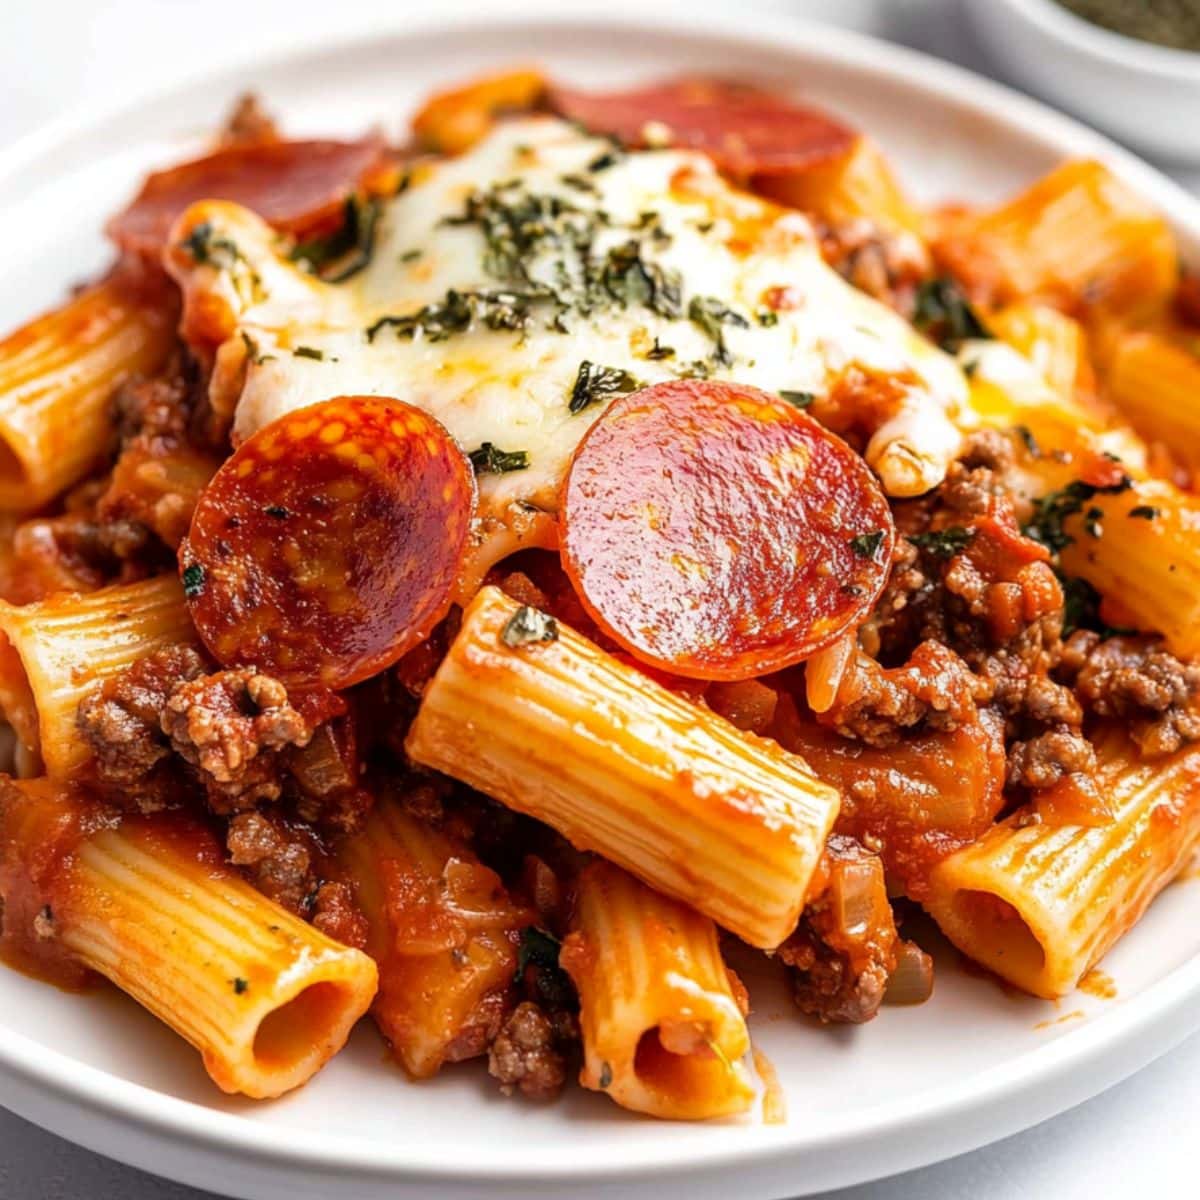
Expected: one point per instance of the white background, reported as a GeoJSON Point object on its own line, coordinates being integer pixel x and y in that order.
{"type": "Point", "coordinates": [59, 56]}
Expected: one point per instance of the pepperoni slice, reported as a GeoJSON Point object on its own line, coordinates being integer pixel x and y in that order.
{"type": "Point", "coordinates": [717, 532]}
{"type": "Point", "coordinates": [329, 544]}
{"type": "Point", "coordinates": [745, 131]}
{"type": "Point", "coordinates": [297, 186]}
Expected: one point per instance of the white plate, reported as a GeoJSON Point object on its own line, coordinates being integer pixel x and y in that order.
{"type": "Point", "coordinates": [916, 1085]}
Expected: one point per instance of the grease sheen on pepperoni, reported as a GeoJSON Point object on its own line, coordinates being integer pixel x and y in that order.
{"type": "Point", "coordinates": [329, 543]}
{"type": "Point", "coordinates": [717, 532]}
{"type": "Point", "coordinates": [745, 131]}
{"type": "Point", "coordinates": [295, 186]}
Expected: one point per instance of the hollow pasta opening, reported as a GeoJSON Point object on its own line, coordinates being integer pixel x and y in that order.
{"type": "Point", "coordinates": [1001, 937]}
{"type": "Point", "coordinates": [677, 1075]}
{"type": "Point", "coordinates": [288, 1035]}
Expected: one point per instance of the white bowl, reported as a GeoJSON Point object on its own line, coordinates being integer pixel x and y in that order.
{"type": "Point", "coordinates": [1144, 94]}
{"type": "Point", "coordinates": [917, 1084]}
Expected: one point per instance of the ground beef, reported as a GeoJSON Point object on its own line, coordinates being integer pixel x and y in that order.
{"type": "Point", "coordinates": [840, 974]}
{"type": "Point", "coordinates": [336, 915]}
{"type": "Point", "coordinates": [524, 1056]}
{"type": "Point", "coordinates": [979, 474]}
{"type": "Point", "coordinates": [983, 592]}
{"type": "Point", "coordinates": [229, 726]}
{"type": "Point", "coordinates": [481, 1028]}
{"type": "Point", "coordinates": [1135, 680]}
{"type": "Point", "coordinates": [888, 265]}
{"type": "Point", "coordinates": [120, 722]}
{"type": "Point", "coordinates": [1044, 760]}
{"type": "Point", "coordinates": [325, 773]}
{"type": "Point", "coordinates": [279, 857]}
{"type": "Point", "coordinates": [934, 689]}
{"type": "Point", "coordinates": [158, 407]}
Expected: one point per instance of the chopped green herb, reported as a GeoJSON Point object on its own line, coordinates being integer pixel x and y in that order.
{"type": "Point", "coordinates": [657, 352]}
{"type": "Point", "coordinates": [338, 256]}
{"type": "Point", "coordinates": [581, 183]}
{"type": "Point", "coordinates": [594, 384]}
{"type": "Point", "coordinates": [944, 315]}
{"type": "Point", "coordinates": [1091, 521]}
{"type": "Point", "coordinates": [629, 279]}
{"type": "Point", "coordinates": [970, 367]}
{"type": "Point", "coordinates": [253, 353]}
{"type": "Point", "coordinates": [209, 248]}
{"type": "Point", "coordinates": [193, 579]}
{"type": "Point", "coordinates": [866, 545]}
{"type": "Point", "coordinates": [1030, 442]}
{"type": "Point", "coordinates": [529, 625]}
{"type": "Point", "coordinates": [1147, 512]}
{"type": "Point", "coordinates": [698, 368]}
{"type": "Point", "coordinates": [489, 459]}
{"type": "Point", "coordinates": [1051, 510]}
{"type": "Point", "coordinates": [798, 399]}
{"type": "Point", "coordinates": [277, 511]}
{"type": "Point", "coordinates": [457, 311]}
{"type": "Point", "coordinates": [767, 317]}
{"type": "Point", "coordinates": [309, 352]}
{"type": "Point", "coordinates": [1081, 608]}
{"type": "Point", "coordinates": [602, 162]}
{"type": "Point", "coordinates": [241, 986]}
{"type": "Point", "coordinates": [606, 1076]}
{"type": "Point", "coordinates": [944, 543]}
{"type": "Point", "coordinates": [712, 316]}
{"type": "Point", "coordinates": [411, 256]}
{"type": "Point", "coordinates": [537, 948]}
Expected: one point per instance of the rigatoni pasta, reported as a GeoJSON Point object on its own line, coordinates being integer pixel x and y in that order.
{"type": "Point", "coordinates": [53, 652]}
{"type": "Point", "coordinates": [662, 1031]}
{"type": "Point", "coordinates": [443, 931]}
{"type": "Point", "coordinates": [1155, 383]}
{"type": "Point", "coordinates": [717, 818]}
{"type": "Point", "coordinates": [1141, 546]}
{"type": "Point", "coordinates": [1078, 237]}
{"type": "Point", "coordinates": [1040, 902]}
{"type": "Point", "coordinates": [149, 904]}
{"type": "Point", "coordinates": [57, 376]}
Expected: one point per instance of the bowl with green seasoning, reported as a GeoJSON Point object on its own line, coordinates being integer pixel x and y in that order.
{"type": "Point", "coordinates": [1131, 67]}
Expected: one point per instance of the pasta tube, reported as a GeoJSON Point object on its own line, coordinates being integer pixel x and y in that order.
{"type": "Point", "coordinates": [57, 375]}
{"type": "Point", "coordinates": [451, 122]}
{"type": "Point", "coordinates": [1156, 386]}
{"type": "Point", "coordinates": [662, 1032]}
{"type": "Point", "coordinates": [1039, 904]}
{"type": "Point", "coordinates": [859, 183]}
{"type": "Point", "coordinates": [266, 998]}
{"type": "Point", "coordinates": [1053, 342]}
{"type": "Point", "coordinates": [1077, 237]}
{"type": "Point", "coordinates": [443, 931]}
{"type": "Point", "coordinates": [717, 818]}
{"type": "Point", "coordinates": [54, 651]}
{"type": "Point", "coordinates": [1141, 548]}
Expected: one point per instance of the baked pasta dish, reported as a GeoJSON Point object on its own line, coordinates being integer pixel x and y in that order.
{"type": "Point", "coordinates": [480, 578]}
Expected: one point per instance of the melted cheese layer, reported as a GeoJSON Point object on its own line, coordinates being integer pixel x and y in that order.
{"type": "Point", "coordinates": [646, 263]}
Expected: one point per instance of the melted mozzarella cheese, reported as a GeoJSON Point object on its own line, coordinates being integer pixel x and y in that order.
{"type": "Point", "coordinates": [729, 256]}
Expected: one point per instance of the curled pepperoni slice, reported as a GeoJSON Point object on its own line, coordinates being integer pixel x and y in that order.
{"type": "Point", "coordinates": [296, 186]}
{"type": "Point", "coordinates": [329, 543]}
{"type": "Point", "coordinates": [745, 131]}
{"type": "Point", "coordinates": [717, 532]}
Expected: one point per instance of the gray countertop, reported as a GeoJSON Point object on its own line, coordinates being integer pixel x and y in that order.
{"type": "Point", "coordinates": [86, 52]}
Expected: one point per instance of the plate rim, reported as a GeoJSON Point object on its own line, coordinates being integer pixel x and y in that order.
{"type": "Point", "coordinates": [1056, 1069]}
